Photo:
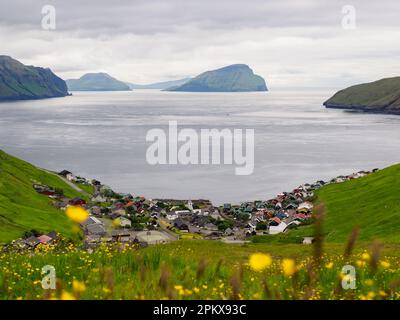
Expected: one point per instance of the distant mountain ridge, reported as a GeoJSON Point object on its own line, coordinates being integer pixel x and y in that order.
{"type": "Point", "coordinates": [233, 78]}
{"type": "Point", "coordinates": [96, 82]}
{"type": "Point", "coordinates": [159, 85]}
{"type": "Point", "coordinates": [21, 82]}
{"type": "Point", "coordinates": [382, 96]}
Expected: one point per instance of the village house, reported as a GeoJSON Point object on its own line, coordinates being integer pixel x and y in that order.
{"type": "Point", "coordinates": [95, 210]}
{"type": "Point", "coordinates": [124, 222]}
{"type": "Point", "coordinates": [228, 232]}
{"type": "Point", "coordinates": [45, 239]}
{"type": "Point", "coordinates": [277, 229]}
{"type": "Point", "coordinates": [181, 225]}
{"type": "Point", "coordinates": [182, 212]}
{"type": "Point", "coordinates": [95, 229]}
{"type": "Point", "coordinates": [91, 220]}
{"type": "Point", "coordinates": [201, 212]}
{"type": "Point", "coordinates": [171, 216]}
{"type": "Point", "coordinates": [305, 207]}
{"type": "Point", "coordinates": [32, 242]}
{"type": "Point", "coordinates": [119, 212]}
{"type": "Point", "coordinates": [308, 240]}
{"type": "Point", "coordinates": [121, 236]}
{"type": "Point", "coordinates": [96, 183]}
{"type": "Point", "coordinates": [77, 202]}
{"type": "Point", "coordinates": [98, 198]}
{"type": "Point", "coordinates": [63, 204]}
{"type": "Point", "coordinates": [93, 226]}
{"type": "Point", "coordinates": [67, 174]}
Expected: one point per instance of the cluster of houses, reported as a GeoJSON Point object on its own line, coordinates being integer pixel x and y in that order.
{"type": "Point", "coordinates": [284, 212]}
{"type": "Point", "coordinates": [71, 177]}
{"type": "Point", "coordinates": [202, 221]}
{"type": "Point", "coordinates": [31, 241]}
{"type": "Point", "coordinates": [116, 217]}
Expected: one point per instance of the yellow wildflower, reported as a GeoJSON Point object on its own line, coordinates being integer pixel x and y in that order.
{"type": "Point", "coordinates": [106, 290]}
{"type": "Point", "coordinates": [360, 263]}
{"type": "Point", "coordinates": [260, 261]}
{"type": "Point", "coordinates": [329, 265]}
{"type": "Point", "coordinates": [385, 264]}
{"type": "Point", "coordinates": [77, 214]}
{"type": "Point", "coordinates": [116, 223]}
{"type": "Point", "coordinates": [369, 282]}
{"type": "Point", "coordinates": [78, 286]}
{"type": "Point", "coordinates": [65, 295]}
{"type": "Point", "coordinates": [365, 256]}
{"type": "Point", "coordinates": [371, 295]}
{"type": "Point", "coordinates": [288, 267]}
{"type": "Point", "coordinates": [382, 293]}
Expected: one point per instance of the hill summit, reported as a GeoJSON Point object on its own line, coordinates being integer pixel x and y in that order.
{"type": "Point", "coordinates": [233, 78]}
{"type": "Point", "coordinates": [97, 82]}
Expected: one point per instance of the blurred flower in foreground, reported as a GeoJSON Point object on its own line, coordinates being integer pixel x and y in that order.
{"type": "Point", "coordinates": [78, 286]}
{"type": "Point", "coordinates": [77, 214]}
{"type": "Point", "coordinates": [260, 261]}
{"type": "Point", "coordinates": [288, 267]}
{"type": "Point", "coordinates": [365, 256]}
{"type": "Point", "coordinates": [116, 223]}
{"type": "Point", "coordinates": [65, 295]}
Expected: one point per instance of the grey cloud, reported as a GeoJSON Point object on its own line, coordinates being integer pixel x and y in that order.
{"type": "Point", "coordinates": [289, 42]}
{"type": "Point", "coordinates": [149, 17]}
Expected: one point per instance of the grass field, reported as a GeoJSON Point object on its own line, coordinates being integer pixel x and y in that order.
{"type": "Point", "coordinates": [21, 208]}
{"type": "Point", "coordinates": [86, 187]}
{"type": "Point", "coordinates": [200, 269]}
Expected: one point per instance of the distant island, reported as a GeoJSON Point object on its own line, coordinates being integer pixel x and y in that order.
{"type": "Point", "coordinates": [382, 96]}
{"type": "Point", "coordinates": [159, 85]}
{"type": "Point", "coordinates": [233, 78]}
{"type": "Point", "coordinates": [21, 82]}
{"type": "Point", "coordinates": [96, 82]}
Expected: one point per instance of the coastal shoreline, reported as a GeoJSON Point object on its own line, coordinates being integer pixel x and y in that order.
{"type": "Point", "coordinates": [362, 109]}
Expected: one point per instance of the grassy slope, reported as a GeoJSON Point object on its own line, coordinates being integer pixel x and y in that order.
{"type": "Point", "coordinates": [231, 78]}
{"type": "Point", "coordinates": [18, 81]}
{"type": "Point", "coordinates": [85, 187]}
{"type": "Point", "coordinates": [21, 208]}
{"type": "Point", "coordinates": [96, 82]}
{"type": "Point", "coordinates": [379, 94]}
{"type": "Point", "coordinates": [372, 203]}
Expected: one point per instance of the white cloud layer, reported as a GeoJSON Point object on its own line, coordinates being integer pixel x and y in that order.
{"type": "Point", "coordinates": [289, 43]}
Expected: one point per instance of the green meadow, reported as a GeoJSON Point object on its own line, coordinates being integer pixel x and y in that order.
{"type": "Point", "coordinates": [206, 269]}
{"type": "Point", "coordinates": [201, 269]}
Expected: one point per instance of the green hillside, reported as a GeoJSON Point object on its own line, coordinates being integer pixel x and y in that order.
{"type": "Point", "coordinates": [379, 96]}
{"type": "Point", "coordinates": [21, 208]}
{"type": "Point", "coordinates": [372, 203]}
{"type": "Point", "coordinates": [233, 78]}
{"type": "Point", "coordinates": [96, 82]}
{"type": "Point", "coordinates": [21, 82]}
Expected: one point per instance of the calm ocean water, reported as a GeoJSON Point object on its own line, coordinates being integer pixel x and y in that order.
{"type": "Point", "coordinates": [102, 135]}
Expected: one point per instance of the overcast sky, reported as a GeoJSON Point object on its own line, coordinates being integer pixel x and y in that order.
{"type": "Point", "coordinates": [296, 43]}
